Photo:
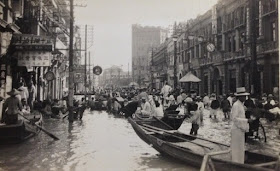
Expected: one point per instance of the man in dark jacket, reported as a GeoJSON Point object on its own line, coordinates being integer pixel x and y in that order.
{"type": "Point", "coordinates": [215, 104]}
{"type": "Point", "coordinates": [225, 106]}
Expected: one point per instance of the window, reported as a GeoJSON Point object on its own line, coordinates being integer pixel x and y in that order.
{"type": "Point", "coordinates": [229, 43]}
{"type": "Point", "coordinates": [233, 44]}
{"type": "Point", "coordinates": [273, 26]}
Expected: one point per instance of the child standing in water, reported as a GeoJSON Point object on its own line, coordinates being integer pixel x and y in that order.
{"type": "Point", "coordinates": [195, 119]}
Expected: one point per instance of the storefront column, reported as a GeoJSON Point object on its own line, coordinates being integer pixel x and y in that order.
{"type": "Point", "coordinates": [237, 69]}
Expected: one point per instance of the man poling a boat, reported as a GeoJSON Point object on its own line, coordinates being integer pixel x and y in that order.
{"type": "Point", "coordinates": [11, 108]}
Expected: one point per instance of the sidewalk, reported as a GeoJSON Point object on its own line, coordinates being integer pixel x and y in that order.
{"type": "Point", "coordinates": [219, 130]}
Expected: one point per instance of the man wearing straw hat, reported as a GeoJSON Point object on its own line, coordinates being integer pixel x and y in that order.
{"type": "Point", "coordinates": [13, 106]}
{"type": "Point", "coordinates": [239, 127]}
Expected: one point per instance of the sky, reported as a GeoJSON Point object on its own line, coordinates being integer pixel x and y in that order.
{"type": "Point", "coordinates": [112, 21]}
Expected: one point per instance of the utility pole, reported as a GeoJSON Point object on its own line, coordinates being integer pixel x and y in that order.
{"type": "Point", "coordinates": [254, 79]}
{"type": "Point", "coordinates": [71, 69]}
{"type": "Point", "coordinates": [90, 80]}
{"type": "Point", "coordinates": [175, 62]}
{"type": "Point", "coordinates": [85, 62]}
{"type": "Point", "coordinates": [152, 69]}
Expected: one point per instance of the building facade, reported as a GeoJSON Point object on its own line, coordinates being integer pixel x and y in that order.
{"type": "Point", "coordinates": [143, 40]}
{"type": "Point", "coordinates": [245, 50]}
{"type": "Point", "coordinates": [114, 77]}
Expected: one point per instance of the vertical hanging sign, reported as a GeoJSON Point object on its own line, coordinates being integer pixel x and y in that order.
{"type": "Point", "coordinates": [260, 18]}
{"type": "Point", "coordinates": [214, 20]}
{"type": "Point", "coordinates": [2, 75]}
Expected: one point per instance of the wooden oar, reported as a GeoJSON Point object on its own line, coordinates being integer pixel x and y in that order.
{"type": "Point", "coordinates": [163, 122]}
{"type": "Point", "coordinates": [170, 134]}
{"type": "Point", "coordinates": [159, 129]}
{"type": "Point", "coordinates": [45, 131]}
{"type": "Point", "coordinates": [65, 116]}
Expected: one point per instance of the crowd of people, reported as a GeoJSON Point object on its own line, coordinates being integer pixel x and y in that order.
{"type": "Point", "coordinates": [143, 103]}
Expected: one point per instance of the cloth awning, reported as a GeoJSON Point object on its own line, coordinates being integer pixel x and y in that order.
{"type": "Point", "coordinates": [189, 77]}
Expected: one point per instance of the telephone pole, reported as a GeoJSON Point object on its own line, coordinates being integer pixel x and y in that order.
{"type": "Point", "coordinates": [71, 66]}
{"type": "Point", "coordinates": [85, 62]}
{"type": "Point", "coordinates": [254, 78]}
{"type": "Point", "coordinates": [90, 80]}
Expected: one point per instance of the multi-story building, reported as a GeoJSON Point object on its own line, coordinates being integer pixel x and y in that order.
{"type": "Point", "coordinates": [159, 65]}
{"type": "Point", "coordinates": [143, 40]}
{"type": "Point", "coordinates": [245, 50]}
{"type": "Point", "coordinates": [114, 77]}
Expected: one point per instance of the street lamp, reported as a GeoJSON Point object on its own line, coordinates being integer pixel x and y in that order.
{"type": "Point", "coordinates": [175, 61]}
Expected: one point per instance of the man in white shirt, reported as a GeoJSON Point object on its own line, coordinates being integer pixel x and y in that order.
{"type": "Point", "coordinates": [145, 107]}
{"type": "Point", "coordinates": [239, 127]}
{"type": "Point", "coordinates": [166, 89]}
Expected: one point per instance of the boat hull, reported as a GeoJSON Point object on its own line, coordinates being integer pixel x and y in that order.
{"type": "Point", "coordinates": [23, 130]}
{"type": "Point", "coordinates": [190, 155]}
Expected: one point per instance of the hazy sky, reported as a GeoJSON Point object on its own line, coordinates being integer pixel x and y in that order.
{"type": "Point", "coordinates": [112, 20]}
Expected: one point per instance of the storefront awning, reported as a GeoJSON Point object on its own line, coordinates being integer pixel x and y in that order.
{"type": "Point", "coordinates": [189, 77]}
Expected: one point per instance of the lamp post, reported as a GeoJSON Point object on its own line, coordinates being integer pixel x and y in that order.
{"type": "Point", "coordinates": [175, 61]}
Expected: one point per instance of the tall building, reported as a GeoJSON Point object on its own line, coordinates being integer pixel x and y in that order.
{"type": "Point", "coordinates": [144, 39]}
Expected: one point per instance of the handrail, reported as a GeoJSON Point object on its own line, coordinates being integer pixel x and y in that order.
{"type": "Point", "coordinates": [208, 161]}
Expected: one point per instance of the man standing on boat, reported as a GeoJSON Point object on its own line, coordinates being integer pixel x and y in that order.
{"type": "Point", "coordinates": [13, 106]}
{"type": "Point", "coordinates": [239, 127]}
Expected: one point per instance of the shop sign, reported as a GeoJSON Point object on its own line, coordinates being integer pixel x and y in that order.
{"type": "Point", "coordinates": [2, 75]}
{"type": "Point", "coordinates": [214, 20]}
{"type": "Point", "coordinates": [23, 42]}
{"type": "Point", "coordinates": [97, 70]}
{"type": "Point", "coordinates": [210, 47]}
{"type": "Point", "coordinates": [49, 76]}
{"type": "Point", "coordinates": [34, 58]}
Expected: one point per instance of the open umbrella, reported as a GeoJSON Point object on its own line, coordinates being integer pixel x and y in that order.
{"type": "Point", "coordinates": [133, 84]}
{"type": "Point", "coordinates": [189, 77]}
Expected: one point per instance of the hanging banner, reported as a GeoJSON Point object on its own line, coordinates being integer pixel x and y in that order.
{"type": "Point", "coordinates": [34, 58]}
{"type": "Point", "coordinates": [29, 42]}
{"type": "Point", "coordinates": [214, 20]}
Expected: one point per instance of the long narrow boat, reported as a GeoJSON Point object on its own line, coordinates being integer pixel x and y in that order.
{"type": "Point", "coordinates": [191, 149]}
{"type": "Point", "coordinates": [23, 130]}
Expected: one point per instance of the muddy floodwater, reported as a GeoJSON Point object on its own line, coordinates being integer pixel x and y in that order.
{"type": "Point", "coordinates": [100, 142]}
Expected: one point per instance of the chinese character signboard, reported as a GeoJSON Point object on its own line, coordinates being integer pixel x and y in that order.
{"type": "Point", "coordinates": [34, 58]}
{"type": "Point", "coordinates": [214, 20]}
{"type": "Point", "coordinates": [24, 42]}
{"type": "Point", "coordinates": [2, 75]}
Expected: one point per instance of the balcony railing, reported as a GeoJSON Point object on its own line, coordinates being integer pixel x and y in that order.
{"type": "Point", "coordinates": [267, 47]}
{"type": "Point", "coordinates": [269, 7]}
{"type": "Point", "coordinates": [234, 55]}
{"type": "Point", "coordinates": [205, 61]}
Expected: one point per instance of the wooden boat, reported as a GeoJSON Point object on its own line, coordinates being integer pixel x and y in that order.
{"type": "Point", "coordinates": [16, 133]}
{"type": "Point", "coordinates": [98, 105]}
{"type": "Point", "coordinates": [192, 150]}
{"type": "Point", "coordinates": [173, 121]}
{"type": "Point", "coordinates": [171, 118]}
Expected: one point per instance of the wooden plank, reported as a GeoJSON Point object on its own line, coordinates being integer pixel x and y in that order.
{"type": "Point", "coordinates": [170, 134]}
{"type": "Point", "coordinates": [204, 162]}
{"type": "Point", "coordinates": [189, 135]}
{"type": "Point", "coordinates": [211, 164]}
{"type": "Point", "coordinates": [265, 164]}
{"type": "Point", "coordinates": [163, 122]}
{"type": "Point", "coordinates": [219, 152]}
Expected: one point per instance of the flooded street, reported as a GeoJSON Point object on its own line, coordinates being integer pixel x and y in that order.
{"type": "Point", "coordinates": [102, 141]}
{"type": "Point", "coordinates": [99, 142]}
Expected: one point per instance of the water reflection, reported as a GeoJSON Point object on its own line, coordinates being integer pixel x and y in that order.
{"type": "Point", "coordinates": [99, 142]}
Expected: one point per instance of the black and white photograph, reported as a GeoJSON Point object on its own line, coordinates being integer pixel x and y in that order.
{"type": "Point", "coordinates": [139, 85]}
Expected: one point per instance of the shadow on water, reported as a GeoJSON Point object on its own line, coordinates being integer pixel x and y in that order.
{"type": "Point", "coordinates": [100, 141]}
